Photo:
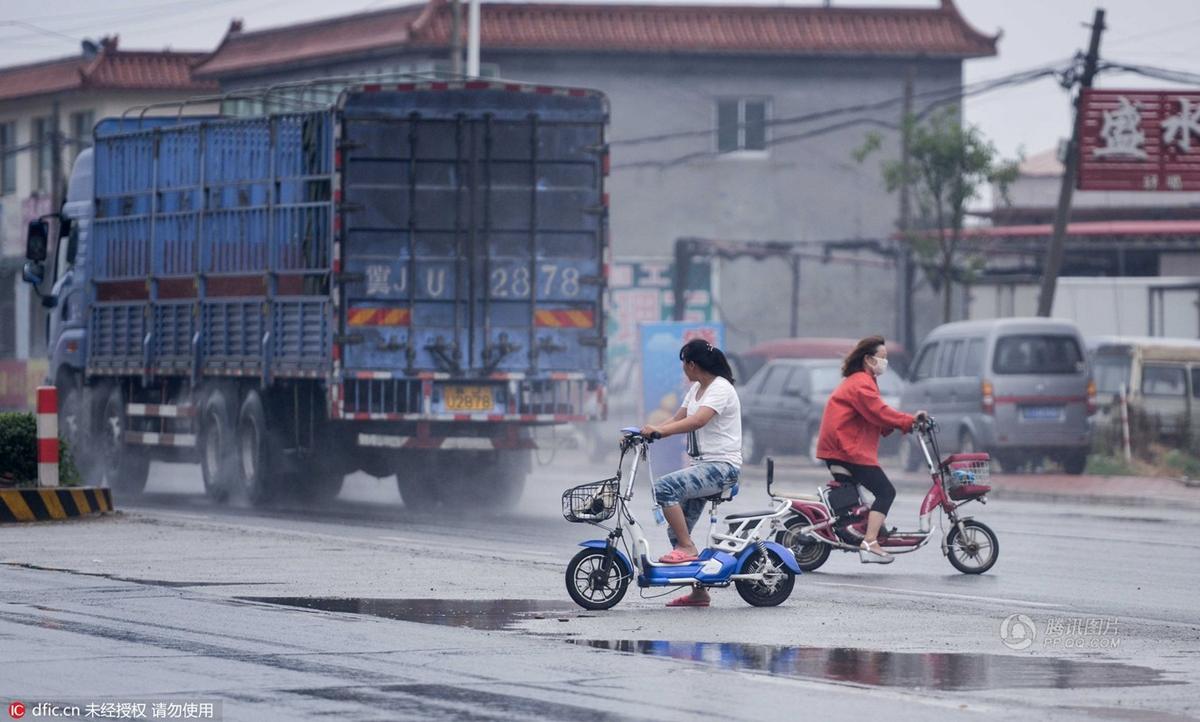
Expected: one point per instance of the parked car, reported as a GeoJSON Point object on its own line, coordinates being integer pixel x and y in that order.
{"type": "Point", "coordinates": [747, 363]}
{"type": "Point", "coordinates": [783, 403]}
{"type": "Point", "coordinates": [1017, 388]}
{"type": "Point", "coordinates": [1160, 377]}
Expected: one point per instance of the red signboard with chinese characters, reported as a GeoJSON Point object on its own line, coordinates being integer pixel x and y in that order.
{"type": "Point", "coordinates": [1139, 140]}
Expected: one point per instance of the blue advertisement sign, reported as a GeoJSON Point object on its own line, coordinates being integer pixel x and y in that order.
{"type": "Point", "coordinates": [664, 385]}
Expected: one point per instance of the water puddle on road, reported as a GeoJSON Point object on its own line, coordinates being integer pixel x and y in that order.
{"type": "Point", "coordinates": [489, 614]}
{"type": "Point", "coordinates": [928, 670]}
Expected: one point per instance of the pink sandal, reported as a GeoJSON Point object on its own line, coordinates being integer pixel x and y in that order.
{"type": "Point", "coordinates": [677, 556]}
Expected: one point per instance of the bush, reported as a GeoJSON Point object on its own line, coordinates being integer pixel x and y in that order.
{"type": "Point", "coordinates": [1102, 465]}
{"type": "Point", "coordinates": [18, 452]}
{"type": "Point", "coordinates": [1182, 462]}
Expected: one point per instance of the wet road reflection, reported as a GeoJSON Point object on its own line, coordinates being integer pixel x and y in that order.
{"type": "Point", "coordinates": [472, 613]}
{"type": "Point", "coordinates": [929, 670]}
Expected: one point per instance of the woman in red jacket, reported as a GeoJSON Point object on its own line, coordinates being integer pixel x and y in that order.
{"type": "Point", "coordinates": [855, 417]}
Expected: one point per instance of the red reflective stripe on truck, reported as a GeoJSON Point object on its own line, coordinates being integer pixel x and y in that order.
{"type": "Point", "coordinates": [563, 319]}
{"type": "Point", "coordinates": [378, 317]}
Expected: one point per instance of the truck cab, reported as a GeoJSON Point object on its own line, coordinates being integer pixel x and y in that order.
{"type": "Point", "coordinates": [65, 304]}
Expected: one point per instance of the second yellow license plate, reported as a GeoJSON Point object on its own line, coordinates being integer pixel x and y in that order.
{"type": "Point", "coordinates": [469, 398]}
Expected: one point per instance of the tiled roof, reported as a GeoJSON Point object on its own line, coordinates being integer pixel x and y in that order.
{"type": "Point", "coordinates": [685, 29]}
{"type": "Point", "coordinates": [110, 68]}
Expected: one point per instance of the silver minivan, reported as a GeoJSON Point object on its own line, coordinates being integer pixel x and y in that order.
{"type": "Point", "coordinates": [1017, 388]}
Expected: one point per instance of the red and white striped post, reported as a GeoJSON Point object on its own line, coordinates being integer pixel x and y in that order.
{"type": "Point", "coordinates": [47, 435]}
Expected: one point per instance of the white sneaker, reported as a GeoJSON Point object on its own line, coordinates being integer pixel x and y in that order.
{"type": "Point", "coordinates": [873, 554]}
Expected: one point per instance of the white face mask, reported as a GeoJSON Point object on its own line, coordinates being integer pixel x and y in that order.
{"type": "Point", "coordinates": [880, 365]}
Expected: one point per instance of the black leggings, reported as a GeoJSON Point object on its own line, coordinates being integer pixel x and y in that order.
{"type": "Point", "coordinates": [871, 477]}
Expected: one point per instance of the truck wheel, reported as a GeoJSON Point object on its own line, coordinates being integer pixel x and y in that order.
{"type": "Point", "coordinates": [217, 461]}
{"type": "Point", "coordinates": [257, 455]}
{"type": "Point", "coordinates": [506, 487]}
{"type": "Point", "coordinates": [126, 468]}
{"type": "Point", "coordinates": [74, 429]}
{"type": "Point", "coordinates": [417, 492]}
{"type": "Point", "coordinates": [319, 482]}
{"type": "Point", "coordinates": [498, 477]}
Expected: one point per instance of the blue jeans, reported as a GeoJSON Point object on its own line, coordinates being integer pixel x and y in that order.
{"type": "Point", "coordinates": [688, 487]}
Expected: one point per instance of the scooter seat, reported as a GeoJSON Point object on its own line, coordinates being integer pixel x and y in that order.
{"type": "Point", "coordinates": [968, 491]}
{"type": "Point", "coordinates": [748, 514]}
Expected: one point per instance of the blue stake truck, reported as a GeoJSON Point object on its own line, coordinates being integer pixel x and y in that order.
{"type": "Point", "coordinates": [407, 282]}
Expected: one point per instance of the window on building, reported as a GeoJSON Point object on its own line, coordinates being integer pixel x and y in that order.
{"type": "Point", "coordinates": [741, 124]}
{"type": "Point", "coordinates": [8, 161]}
{"type": "Point", "coordinates": [81, 131]}
{"type": "Point", "coordinates": [42, 153]}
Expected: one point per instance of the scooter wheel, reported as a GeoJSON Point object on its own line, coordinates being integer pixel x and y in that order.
{"type": "Point", "coordinates": [769, 592]}
{"type": "Point", "coordinates": [810, 554]}
{"type": "Point", "coordinates": [975, 550]}
{"type": "Point", "coordinates": [590, 586]}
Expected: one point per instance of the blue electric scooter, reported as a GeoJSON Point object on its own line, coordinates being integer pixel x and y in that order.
{"type": "Point", "coordinates": [741, 554]}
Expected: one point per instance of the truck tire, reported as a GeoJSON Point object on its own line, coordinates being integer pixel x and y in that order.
{"type": "Point", "coordinates": [218, 464]}
{"type": "Point", "coordinates": [259, 472]}
{"type": "Point", "coordinates": [126, 468]}
{"type": "Point", "coordinates": [75, 429]}
{"type": "Point", "coordinates": [417, 494]}
{"type": "Point", "coordinates": [320, 480]}
{"type": "Point", "coordinates": [429, 479]}
{"type": "Point", "coordinates": [497, 478]}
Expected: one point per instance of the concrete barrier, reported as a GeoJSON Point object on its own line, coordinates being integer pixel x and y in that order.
{"type": "Point", "coordinates": [55, 503]}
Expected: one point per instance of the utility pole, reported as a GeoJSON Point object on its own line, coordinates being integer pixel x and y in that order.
{"type": "Point", "coordinates": [473, 39]}
{"type": "Point", "coordinates": [56, 158]}
{"type": "Point", "coordinates": [1054, 254]}
{"type": "Point", "coordinates": [904, 271]}
{"type": "Point", "coordinates": [794, 326]}
{"type": "Point", "coordinates": [456, 50]}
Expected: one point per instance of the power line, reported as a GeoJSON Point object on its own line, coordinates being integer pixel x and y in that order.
{"type": "Point", "coordinates": [944, 99]}
{"type": "Point", "coordinates": [37, 30]}
{"type": "Point", "coordinates": [1174, 76]}
{"type": "Point", "coordinates": [951, 90]}
{"type": "Point", "coordinates": [155, 15]}
{"type": "Point", "coordinates": [1164, 30]}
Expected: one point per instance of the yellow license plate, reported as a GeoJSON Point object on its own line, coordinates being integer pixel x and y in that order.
{"type": "Point", "coordinates": [469, 398]}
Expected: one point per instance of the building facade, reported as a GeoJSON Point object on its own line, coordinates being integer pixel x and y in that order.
{"type": "Point", "coordinates": [56, 103]}
{"type": "Point", "coordinates": [734, 122]}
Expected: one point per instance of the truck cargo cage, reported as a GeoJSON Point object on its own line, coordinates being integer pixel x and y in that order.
{"type": "Point", "coordinates": [219, 215]}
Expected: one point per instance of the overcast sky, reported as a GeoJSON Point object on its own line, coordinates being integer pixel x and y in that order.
{"type": "Point", "coordinates": [1145, 32]}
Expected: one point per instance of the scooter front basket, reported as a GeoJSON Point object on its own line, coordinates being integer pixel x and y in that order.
{"type": "Point", "coordinates": [593, 502]}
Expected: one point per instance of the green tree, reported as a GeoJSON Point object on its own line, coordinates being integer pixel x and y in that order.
{"type": "Point", "coordinates": [949, 165]}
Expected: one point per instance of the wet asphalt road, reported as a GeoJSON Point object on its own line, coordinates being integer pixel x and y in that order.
{"type": "Point", "coordinates": [365, 610]}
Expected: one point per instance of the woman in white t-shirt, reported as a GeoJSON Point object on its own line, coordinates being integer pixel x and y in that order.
{"type": "Point", "coordinates": [711, 416]}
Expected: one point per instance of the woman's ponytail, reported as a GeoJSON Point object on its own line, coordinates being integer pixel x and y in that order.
{"type": "Point", "coordinates": [708, 357]}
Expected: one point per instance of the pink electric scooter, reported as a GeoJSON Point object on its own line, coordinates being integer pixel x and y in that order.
{"type": "Point", "coordinates": [836, 518]}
